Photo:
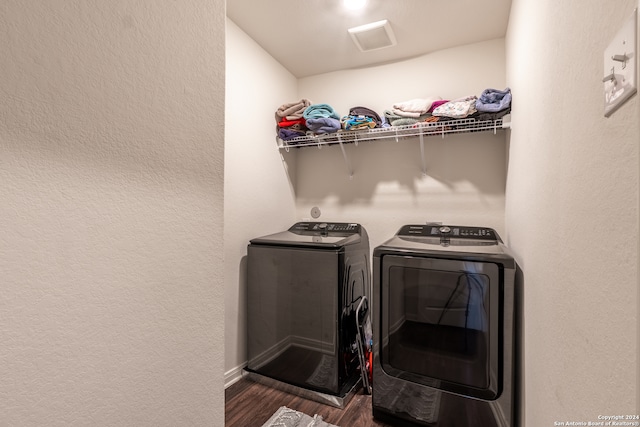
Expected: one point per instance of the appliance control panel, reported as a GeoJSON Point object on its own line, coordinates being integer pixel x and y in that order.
{"type": "Point", "coordinates": [449, 231]}
{"type": "Point", "coordinates": [325, 227]}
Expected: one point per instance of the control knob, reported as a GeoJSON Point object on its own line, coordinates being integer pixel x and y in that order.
{"type": "Point", "coordinates": [444, 229]}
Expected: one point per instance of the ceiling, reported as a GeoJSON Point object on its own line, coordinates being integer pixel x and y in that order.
{"type": "Point", "coordinates": [310, 37]}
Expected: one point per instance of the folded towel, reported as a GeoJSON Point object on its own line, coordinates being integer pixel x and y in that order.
{"type": "Point", "coordinates": [367, 112]}
{"type": "Point", "coordinates": [292, 110]}
{"type": "Point", "coordinates": [406, 114]}
{"type": "Point", "coordinates": [418, 105]}
{"type": "Point", "coordinates": [405, 121]}
{"type": "Point", "coordinates": [284, 123]}
{"type": "Point", "coordinates": [357, 122]}
{"type": "Point", "coordinates": [391, 116]}
{"type": "Point", "coordinates": [397, 120]}
{"type": "Point", "coordinates": [493, 116]}
{"type": "Point", "coordinates": [286, 134]}
{"type": "Point", "coordinates": [323, 125]}
{"type": "Point", "coordinates": [316, 111]}
{"type": "Point", "coordinates": [492, 100]}
{"type": "Point", "coordinates": [432, 119]}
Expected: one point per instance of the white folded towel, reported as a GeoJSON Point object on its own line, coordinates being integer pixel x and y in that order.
{"type": "Point", "coordinates": [417, 105]}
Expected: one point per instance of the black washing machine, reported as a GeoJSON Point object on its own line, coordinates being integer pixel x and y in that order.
{"type": "Point", "coordinates": [445, 328]}
{"type": "Point", "coordinates": [304, 286]}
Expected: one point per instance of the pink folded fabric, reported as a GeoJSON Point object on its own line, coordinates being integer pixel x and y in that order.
{"type": "Point", "coordinates": [436, 104]}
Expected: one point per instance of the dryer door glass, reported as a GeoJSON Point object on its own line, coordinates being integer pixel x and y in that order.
{"type": "Point", "coordinates": [440, 323]}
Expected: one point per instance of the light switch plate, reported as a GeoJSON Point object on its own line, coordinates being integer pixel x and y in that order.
{"type": "Point", "coordinates": [620, 62]}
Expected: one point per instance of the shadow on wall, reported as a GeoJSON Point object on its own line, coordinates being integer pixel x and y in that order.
{"type": "Point", "coordinates": [469, 163]}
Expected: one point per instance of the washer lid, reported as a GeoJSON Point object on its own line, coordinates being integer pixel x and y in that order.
{"type": "Point", "coordinates": [327, 235]}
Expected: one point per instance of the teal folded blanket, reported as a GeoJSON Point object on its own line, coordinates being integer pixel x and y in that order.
{"type": "Point", "coordinates": [317, 111]}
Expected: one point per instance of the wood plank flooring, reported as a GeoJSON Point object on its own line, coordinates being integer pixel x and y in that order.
{"type": "Point", "coordinates": [251, 404]}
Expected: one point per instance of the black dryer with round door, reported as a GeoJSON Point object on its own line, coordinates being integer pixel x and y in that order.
{"type": "Point", "coordinates": [444, 304]}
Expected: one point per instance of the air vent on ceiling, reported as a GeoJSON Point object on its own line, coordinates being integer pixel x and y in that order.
{"type": "Point", "coordinates": [376, 35]}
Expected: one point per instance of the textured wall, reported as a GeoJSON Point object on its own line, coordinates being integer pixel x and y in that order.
{"type": "Point", "coordinates": [111, 163]}
{"type": "Point", "coordinates": [572, 212]}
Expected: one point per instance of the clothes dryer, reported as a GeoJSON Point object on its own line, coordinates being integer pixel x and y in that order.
{"type": "Point", "coordinates": [304, 287]}
{"type": "Point", "coordinates": [444, 328]}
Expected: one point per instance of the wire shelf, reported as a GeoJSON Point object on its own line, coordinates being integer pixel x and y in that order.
{"type": "Point", "coordinates": [419, 129]}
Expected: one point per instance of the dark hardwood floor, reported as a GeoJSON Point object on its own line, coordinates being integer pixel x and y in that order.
{"type": "Point", "coordinates": [251, 404]}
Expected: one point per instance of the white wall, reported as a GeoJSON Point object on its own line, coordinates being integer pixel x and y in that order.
{"type": "Point", "coordinates": [258, 194]}
{"type": "Point", "coordinates": [111, 163]}
{"type": "Point", "coordinates": [572, 212]}
{"type": "Point", "coordinates": [466, 174]}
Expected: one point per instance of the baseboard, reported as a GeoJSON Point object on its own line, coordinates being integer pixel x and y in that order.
{"type": "Point", "coordinates": [234, 375]}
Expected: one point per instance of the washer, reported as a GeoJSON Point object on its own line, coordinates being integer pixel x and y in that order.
{"type": "Point", "coordinates": [444, 328]}
{"type": "Point", "coordinates": [303, 288]}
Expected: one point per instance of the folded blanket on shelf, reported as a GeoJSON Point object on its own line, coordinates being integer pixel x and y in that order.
{"type": "Point", "coordinates": [405, 121]}
{"type": "Point", "coordinates": [323, 125]}
{"type": "Point", "coordinates": [288, 134]}
{"type": "Point", "coordinates": [457, 109]}
{"type": "Point", "coordinates": [357, 122]}
{"type": "Point", "coordinates": [292, 110]}
{"type": "Point", "coordinates": [406, 114]}
{"type": "Point", "coordinates": [316, 111]}
{"type": "Point", "coordinates": [367, 112]}
{"type": "Point", "coordinates": [437, 104]}
{"type": "Point", "coordinates": [432, 119]}
{"type": "Point", "coordinates": [414, 107]}
{"type": "Point", "coordinates": [396, 120]}
{"type": "Point", "coordinates": [493, 116]}
{"type": "Point", "coordinates": [284, 123]}
{"type": "Point", "coordinates": [391, 116]}
{"type": "Point", "coordinates": [492, 100]}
